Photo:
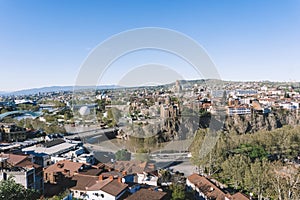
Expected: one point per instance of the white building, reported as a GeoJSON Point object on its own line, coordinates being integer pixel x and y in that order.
{"type": "Point", "coordinates": [238, 110]}
{"type": "Point", "coordinates": [289, 105]}
{"type": "Point", "coordinates": [98, 189]}
{"type": "Point", "coordinates": [145, 178]}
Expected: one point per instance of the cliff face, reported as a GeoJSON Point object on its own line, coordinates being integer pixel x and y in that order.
{"type": "Point", "coordinates": [251, 123]}
{"type": "Point", "coordinates": [178, 129]}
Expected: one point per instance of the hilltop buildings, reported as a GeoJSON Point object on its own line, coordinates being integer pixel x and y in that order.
{"type": "Point", "coordinates": [63, 163]}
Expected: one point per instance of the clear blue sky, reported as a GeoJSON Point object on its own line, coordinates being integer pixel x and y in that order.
{"type": "Point", "coordinates": [43, 43]}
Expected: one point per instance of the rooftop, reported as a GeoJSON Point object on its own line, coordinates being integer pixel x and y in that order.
{"type": "Point", "coordinates": [64, 165]}
{"type": "Point", "coordinates": [53, 150]}
{"type": "Point", "coordinates": [109, 185]}
{"type": "Point", "coordinates": [147, 194]}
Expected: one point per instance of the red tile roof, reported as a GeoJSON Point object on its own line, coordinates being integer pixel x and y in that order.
{"type": "Point", "coordinates": [84, 182]}
{"type": "Point", "coordinates": [240, 196]}
{"type": "Point", "coordinates": [211, 191]}
{"type": "Point", "coordinates": [109, 185]}
{"type": "Point", "coordinates": [14, 159]}
{"type": "Point", "coordinates": [114, 187]}
{"type": "Point", "coordinates": [206, 187]}
{"type": "Point", "coordinates": [143, 194]}
{"type": "Point", "coordinates": [128, 166]}
{"type": "Point", "coordinates": [64, 165]}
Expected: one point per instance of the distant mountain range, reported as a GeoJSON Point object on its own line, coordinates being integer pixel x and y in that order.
{"type": "Point", "coordinates": [182, 82]}
{"type": "Point", "coordinates": [3, 92]}
{"type": "Point", "coordinates": [55, 89]}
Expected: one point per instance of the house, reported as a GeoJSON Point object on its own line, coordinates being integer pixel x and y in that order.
{"type": "Point", "coordinates": [144, 172]}
{"type": "Point", "coordinates": [90, 187]}
{"type": "Point", "coordinates": [148, 194]}
{"type": "Point", "coordinates": [205, 189]}
{"type": "Point", "coordinates": [64, 169]}
{"type": "Point", "coordinates": [24, 171]}
{"type": "Point", "coordinates": [10, 132]}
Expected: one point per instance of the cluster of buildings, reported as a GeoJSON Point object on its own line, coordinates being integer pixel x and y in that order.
{"type": "Point", "coordinates": [232, 97]}
{"type": "Point", "coordinates": [56, 163]}
{"type": "Point", "coordinates": [114, 180]}
{"type": "Point", "coordinates": [59, 164]}
{"type": "Point", "coordinates": [262, 99]}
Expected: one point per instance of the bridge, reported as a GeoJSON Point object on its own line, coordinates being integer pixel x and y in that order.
{"type": "Point", "coordinates": [20, 112]}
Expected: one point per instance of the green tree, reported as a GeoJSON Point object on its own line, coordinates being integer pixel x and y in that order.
{"type": "Point", "coordinates": [178, 191]}
{"type": "Point", "coordinates": [257, 178]}
{"type": "Point", "coordinates": [4, 110]}
{"type": "Point", "coordinates": [164, 176]}
{"type": "Point", "coordinates": [10, 190]}
{"type": "Point", "coordinates": [123, 154]}
{"type": "Point", "coordinates": [252, 151]}
{"type": "Point", "coordinates": [101, 105]}
{"type": "Point", "coordinates": [68, 115]}
{"type": "Point", "coordinates": [234, 169]}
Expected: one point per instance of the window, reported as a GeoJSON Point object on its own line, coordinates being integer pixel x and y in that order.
{"type": "Point", "coordinates": [96, 194]}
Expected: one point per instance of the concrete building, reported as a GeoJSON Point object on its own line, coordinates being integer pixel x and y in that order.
{"type": "Point", "coordinates": [11, 133]}
{"type": "Point", "coordinates": [52, 148]}
{"type": "Point", "coordinates": [238, 110]}
{"type": "Point", "coordinates": [22, 170]}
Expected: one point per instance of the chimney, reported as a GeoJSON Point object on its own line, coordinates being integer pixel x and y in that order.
{"type": "Point", "coordinates": [60, 165]}
{"type": "Point", "coordinates": [119, 179]}
{"type": "Point", "coordinates": [111, 178]}
{"type": "Point", "coordinates": [100, 177]}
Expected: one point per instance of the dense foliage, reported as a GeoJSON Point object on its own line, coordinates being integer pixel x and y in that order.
{"type": "Point", "coordinates": [10, 190]}
{"type": "Point", "coordinates": [260, 163]}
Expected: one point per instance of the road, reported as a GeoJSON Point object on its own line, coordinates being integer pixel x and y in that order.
{"type": "Point", "coordinates": [87, 132]}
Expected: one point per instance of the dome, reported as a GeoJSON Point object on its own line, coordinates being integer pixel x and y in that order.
{"type": "Point", "coordinates": [84, 110]}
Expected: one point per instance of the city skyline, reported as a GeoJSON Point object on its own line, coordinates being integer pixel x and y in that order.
{"type": "Point", "coordinates": [45, 43]}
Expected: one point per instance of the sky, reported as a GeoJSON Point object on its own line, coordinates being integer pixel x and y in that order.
{"type": "Point", "coordinates": [45, 43]}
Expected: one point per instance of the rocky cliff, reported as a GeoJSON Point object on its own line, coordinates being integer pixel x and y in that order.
{"type": "Point", "coordinates": [251, 123]}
